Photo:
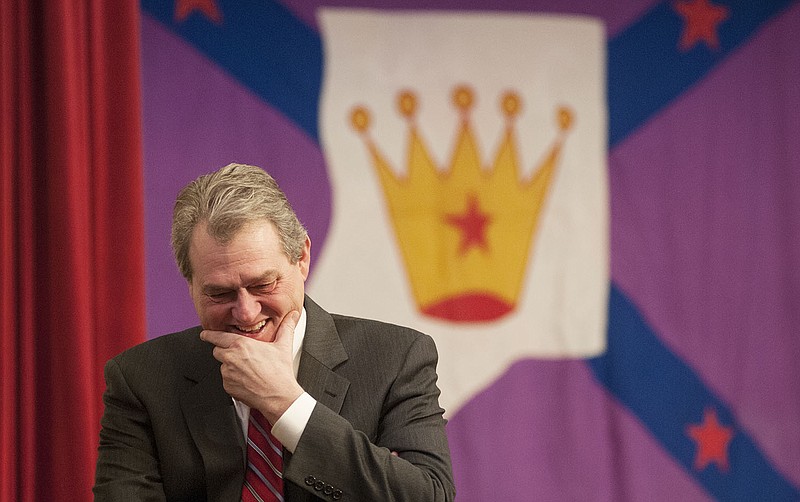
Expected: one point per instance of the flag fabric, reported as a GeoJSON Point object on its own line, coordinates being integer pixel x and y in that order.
{"type": "Point", "coordinates": [499, 249]}
{"type": "Point", "coordinates": [645, 349]}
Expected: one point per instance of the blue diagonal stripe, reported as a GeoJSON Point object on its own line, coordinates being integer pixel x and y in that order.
{"type": "Point", "coordinates": [264, 46]}
{"type": "Point", "coordinates": [646, 70]}
{"type": "Point", "coordinates": [667, 396]}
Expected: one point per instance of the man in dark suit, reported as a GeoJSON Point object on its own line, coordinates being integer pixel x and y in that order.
{"type": "Point", "coordinates": [353, 402]}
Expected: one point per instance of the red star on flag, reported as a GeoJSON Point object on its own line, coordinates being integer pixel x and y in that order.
{"type": "Point", "coordinates": [208, 7]}
{"type": "Point", "coordinates": [701, 18]}
{"type": "Point", "coordinates": [472, 225]}
{"type": "Point", "coordinates": [712, 440]}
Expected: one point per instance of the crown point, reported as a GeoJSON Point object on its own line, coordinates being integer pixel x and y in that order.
{"type": "Point", "coordinates": [511, 104]}
{"type": "Point", "coordinates": [407, 103]}
{"type": "Point", "coordinates": [564, 118]}
{"type": "Point", "coordinates": [360, 119]}
{"type": "Point", "coordinates": [463, 98]}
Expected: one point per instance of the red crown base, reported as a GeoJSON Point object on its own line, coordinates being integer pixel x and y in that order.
{"type": "Point", "coordinates": [471, 307]}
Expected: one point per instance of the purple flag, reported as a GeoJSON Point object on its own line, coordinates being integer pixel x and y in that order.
{"type": "Point", "coordinates": [696, 395]}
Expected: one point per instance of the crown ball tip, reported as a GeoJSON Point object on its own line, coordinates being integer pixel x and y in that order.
{"type": "Point", "coordinates": [565, 118]}
{"type": "Point", "coordinates": [463, 97]}
{"type": "Point", "coordinates": [511, 104]}
{"type": "Point", "coordinates": [360, 119]}
{"type": "Point", "coordinates": [407, 103]}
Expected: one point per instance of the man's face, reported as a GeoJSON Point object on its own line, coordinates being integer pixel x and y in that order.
{"type": "Point", "coordinates": [248, 285]}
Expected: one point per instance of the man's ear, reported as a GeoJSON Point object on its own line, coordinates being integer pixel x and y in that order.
{"type": "Point", "coordinates": [305, 258]}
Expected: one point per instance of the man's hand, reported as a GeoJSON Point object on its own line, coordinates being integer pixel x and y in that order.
{"type": "Point", "coordinates": [258, 373]}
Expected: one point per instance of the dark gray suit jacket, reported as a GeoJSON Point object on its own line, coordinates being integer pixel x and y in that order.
{"type": "Point", "coordinates": [170, 432]}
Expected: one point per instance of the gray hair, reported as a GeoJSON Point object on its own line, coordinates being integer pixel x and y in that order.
{"type": "Point", "coordinates": [228, 199]}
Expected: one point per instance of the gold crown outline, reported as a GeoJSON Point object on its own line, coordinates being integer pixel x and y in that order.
{"type": "Point", "coordinates": [464, 231]}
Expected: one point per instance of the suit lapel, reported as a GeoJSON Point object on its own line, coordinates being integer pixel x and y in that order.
{"type": "Point", "coordinates": [215, 428]}
{"type": "Point", "coordinates": [322, 353]}
{"type": "Point", "coordinates": [211, 416]}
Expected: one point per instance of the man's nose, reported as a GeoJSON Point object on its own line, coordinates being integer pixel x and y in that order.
{"type": "Point", "coordinates": [247, 308]}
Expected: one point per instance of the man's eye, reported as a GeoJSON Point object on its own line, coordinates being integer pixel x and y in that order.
{"type": "Point", "coordinates": [263, 288]}
{"type": "Point", "coordinates": [220, 297]}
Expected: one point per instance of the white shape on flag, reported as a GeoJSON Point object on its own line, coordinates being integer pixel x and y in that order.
{"type": "Point", "coordinates": [549, 60]}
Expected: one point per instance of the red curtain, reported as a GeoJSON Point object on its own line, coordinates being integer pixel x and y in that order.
{"type": "Point", "coordinates": [72, 255]}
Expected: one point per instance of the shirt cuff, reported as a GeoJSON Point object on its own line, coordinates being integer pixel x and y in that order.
{"type": "Point", "coordinates": [292, 423]}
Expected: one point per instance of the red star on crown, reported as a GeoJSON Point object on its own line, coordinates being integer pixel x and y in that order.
{"type": "Point", "coordinates": [208, 7]}
{"type": "Point", "coordinates": [712, 440]}
{"type": "Point", "coordinates": [472, 224]}
{"type": "Point", "coordinates": [701, 19]}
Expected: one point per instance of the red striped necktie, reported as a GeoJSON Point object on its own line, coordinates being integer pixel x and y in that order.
{"type": "Point", "coordinates": [263, 481]}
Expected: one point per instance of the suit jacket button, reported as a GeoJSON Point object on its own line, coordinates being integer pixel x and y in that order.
{"type": "Point", "coordinates": [328, 490]}
{"type": "Point", "coordinates": [310, 480]}
{"type": "Point", "coordinates": [337, 494]}
{"type": "Point", "coordinates": [319, 485]}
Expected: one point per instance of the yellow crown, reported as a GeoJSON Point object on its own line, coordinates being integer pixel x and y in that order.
{"type": "Point", "coordinates": [464, 231]}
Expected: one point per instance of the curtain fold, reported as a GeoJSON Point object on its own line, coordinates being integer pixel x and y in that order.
{"type": "Point", "coordinates": [72, 292]}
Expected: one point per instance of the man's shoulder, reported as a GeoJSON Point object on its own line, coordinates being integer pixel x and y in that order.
{"type": "Point", "coordinates": [184, 344]}
{"type": "Point", "coordinates": [371, 336]}
{"type": "Point", "coordinates": [160, 370]}
{"type": "Point", "coordinates": [375, 326]}
{"type": "Point", "coordinates": [363, 329]}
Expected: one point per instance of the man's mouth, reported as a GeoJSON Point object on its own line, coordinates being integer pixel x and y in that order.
{"type": "Point", "coordinates": [252, 330]}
